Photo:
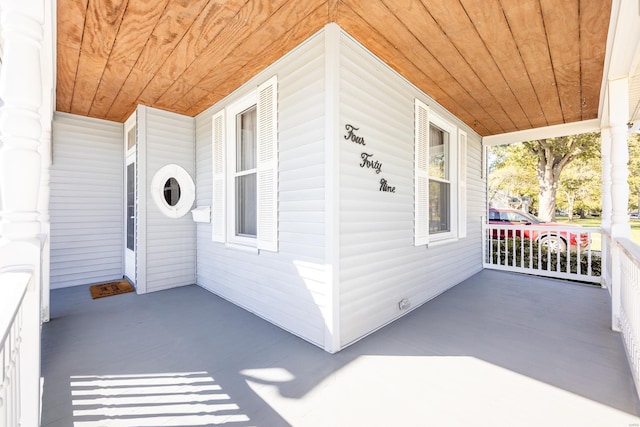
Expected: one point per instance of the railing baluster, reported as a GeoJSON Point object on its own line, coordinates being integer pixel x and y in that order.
{"type": "Point", "coordinates": [630, 302]}
{"type": "Point", "coordinates": [502, 251]}
{"type": "Point", "coordinates": [12, 297]}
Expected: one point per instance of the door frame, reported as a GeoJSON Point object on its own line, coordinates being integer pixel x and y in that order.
{"type": "Point", "coordinates": [130, 154]}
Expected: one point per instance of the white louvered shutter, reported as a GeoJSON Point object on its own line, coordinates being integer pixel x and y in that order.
{"type": "Point", "coordinates": [421, 174]}
{"type": "Point", "coordinates": [462, 184]}
{"type": "Point", "coordinates": [267, 110]}
{"type": "Point", "coordinates": [218, 210]}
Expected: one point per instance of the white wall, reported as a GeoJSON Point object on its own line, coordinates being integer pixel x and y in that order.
{"type": "Point", "coordinates": [166, 251]}
{"type": "Point", "coordinates": [288, 287]}
{"type": "Point", "coordinates": [373, 233]}
{"type": "Point", "coordinates": [86, 201]}
{"type": "Point", "coordinates": [379, 264]}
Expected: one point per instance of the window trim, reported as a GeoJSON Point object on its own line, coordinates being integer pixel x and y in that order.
{"type": "Point", "coordinates": [230, 142]}
{"type": "Point", "coordinates": [265, 97]}
{"type": "Point", "coordinates": [423, 118]}
{"type": "Point", "coordinates": [452, 169]}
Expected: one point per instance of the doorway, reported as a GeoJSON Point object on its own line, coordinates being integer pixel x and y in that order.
{"type": "Point", "coordinates": [130, 202]}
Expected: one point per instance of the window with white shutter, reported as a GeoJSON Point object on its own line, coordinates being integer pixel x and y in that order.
{"type": "Point", "coordinates": [439, 178]}
{"type": "Point", "coordinates": [218, 210]}
{"type": "Point", "coordinates": [267, 220]}
{"type": "Point", "coordinates": [421, 173]}
{"type": "Point", "coordinates": [462, 184]}
{"type": "Point", "coordinates": [245, 178]}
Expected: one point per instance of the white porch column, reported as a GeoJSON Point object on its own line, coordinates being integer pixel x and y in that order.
{"type": "Point", "coordinates": [47, 108]}
{"type": "Point", "coordinates": [618, 117]}
{"type": "Point", "coordinates": [618, 91]}
{"type": "Point", "coordinates": [605, 154]}
{"type": "Point", "coordinates": [605, 223]}
{"type": "Point", "coordinates": [21, 87]}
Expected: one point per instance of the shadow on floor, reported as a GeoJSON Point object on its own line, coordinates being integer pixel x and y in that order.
{"type": "Point", "coordinates": [498, 349]}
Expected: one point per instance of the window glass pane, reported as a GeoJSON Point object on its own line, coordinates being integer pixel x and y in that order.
{"type": "Point", "coordinates": [439, 207]}
{"type": "Point", "coordinates": [246, 199]}
{"type": "Point", "coordinates": [172, 191]}
{"type": "Point", "coordinates": [246, 140]}
{"type": "Point", "coordinates": [131, 138]}
{"type": "Point", "coordinates": [438, 153]}
{"type": "Point", "coordinates": [131, 206]}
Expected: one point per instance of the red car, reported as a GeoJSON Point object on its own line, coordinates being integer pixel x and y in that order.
{"type": "Point", "coordinates": [556, 241]}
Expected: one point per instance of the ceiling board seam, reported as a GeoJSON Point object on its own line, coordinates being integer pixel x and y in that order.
{"type": "Point", "coordinates": [137, 59]}
{"type": "Point", "coordinates": [75, 75]}
{"type": "Point", "coordinates": [504, 79]}
{"type": "Point", "coordinates": [583, 100]}
{"type": "Point", "coordinates": [544, 113]}
{"type": "Point", "coordinates": [198, 86]}
{"type": "Point", "coordinates": [445, 68]}
{"type": "Point", "coordinates": [92, 50]}
{"type": "Point", "coordinates": [473, 72]}
{"type": "Point", "coordinates": [333, 10]}
{"type": "Point", "coordinates": [165, 60]}
{"type": "Point", "coordinates": [476, 123]}
{"type": "Point", "coordinates": [196, 57]}
{"type": "Point", "coordinates": [533, 86]}
{"type": "Point", "coordinates": [495, 63]}
{"type": "Point", "coordinates": [553, 68]}
{"type": "Point", "coordinates": [93, 100]}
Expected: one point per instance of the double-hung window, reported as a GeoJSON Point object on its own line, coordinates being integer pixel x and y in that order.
{"type": "Point", "coordinates": [439, 180]}
{"type": "Point", "coordinates": [245, 175]}
{"type": "Point", "coordinates": [439, 177]}
{"type": "Point", "coordinates": [244, 141]}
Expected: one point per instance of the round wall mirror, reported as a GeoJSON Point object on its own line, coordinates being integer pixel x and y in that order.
{"type": "Point", "coordinates": [173, 191]}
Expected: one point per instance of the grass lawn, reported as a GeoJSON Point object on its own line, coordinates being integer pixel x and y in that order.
{"type": "Point", "coordinates": [595, 222]}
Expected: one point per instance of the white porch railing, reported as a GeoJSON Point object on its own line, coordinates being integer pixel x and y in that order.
{"type": "Point", "coordinates": [628, 254]}
{"type": "Point", "coordinates": [17, 402]}
{"type": "Point", "coordinates": [550, 251]}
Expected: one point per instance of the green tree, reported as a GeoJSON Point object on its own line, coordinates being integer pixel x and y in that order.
{"type": "Point", "coordinates": [552, 156]}
{"type": "Point", "coordinates": [580, 186]}
{"type": "Point", "coordinates": [634, 172]}
{"type": "Point", "coordinates": [511, 174]}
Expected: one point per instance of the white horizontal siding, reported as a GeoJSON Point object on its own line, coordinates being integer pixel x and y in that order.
{"type": "Point", "coordinates": [379, 265]}
{"type": "Point", "coordinates": [86, 201]}
{"type": "Point", "coordinates": [287, 287]}
{"type": "Point", "coordinates": [170, 253]}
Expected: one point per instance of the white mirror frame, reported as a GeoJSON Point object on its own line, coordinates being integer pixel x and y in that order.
{"type": "Point", "coordinates": [187, 190]}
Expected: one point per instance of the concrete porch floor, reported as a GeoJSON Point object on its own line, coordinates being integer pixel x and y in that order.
{"type": "Point", "coordinates": [500, 349]}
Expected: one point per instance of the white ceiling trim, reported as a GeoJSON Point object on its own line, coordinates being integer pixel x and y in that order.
{"type": "Point", "coordinates": [542, 133]}
{"type": "Point", "coordinates": [623, 53]}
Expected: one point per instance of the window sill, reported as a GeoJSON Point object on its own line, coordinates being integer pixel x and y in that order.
{"type": "Point", "coordinates": [442, 241]}
{"type": "Point", "coordinates": [242, 248]}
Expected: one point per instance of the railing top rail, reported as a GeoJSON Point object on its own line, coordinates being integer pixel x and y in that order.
{"type": "Point", "coordinates": [630, 248]}
{"type": "Point", "coordinates": [543, 227]}
{"type": "Point", "coordinates": [13, 287]}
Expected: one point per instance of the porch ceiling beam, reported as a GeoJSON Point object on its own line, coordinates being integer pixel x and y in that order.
{"type": "Point", "coordinates": [543, 132]}
{"type": "Point", "coordinates": [623, 50]}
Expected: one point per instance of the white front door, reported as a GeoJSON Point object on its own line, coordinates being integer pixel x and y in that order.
{"type": "Point", "coordinates": [130, 199]}
{"type": "Point", "coordinates": [130, 219]}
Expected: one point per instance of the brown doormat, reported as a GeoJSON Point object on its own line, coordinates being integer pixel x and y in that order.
{"type": "Point", "coordinates": [108, 289]}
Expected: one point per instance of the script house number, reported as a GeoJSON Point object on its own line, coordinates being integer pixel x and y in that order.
{"type": "Point", "coordinates": [367, 160]}
{"type": "Point", "coordinates": [351, 135]}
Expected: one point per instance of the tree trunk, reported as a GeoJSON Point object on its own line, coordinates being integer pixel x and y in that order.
{"type": "Point", "coordinates": [547, 211]}
{"type": "Point", "coordinates": [571, 197]}
{"type": "Point", "coordinates": [548, 179]}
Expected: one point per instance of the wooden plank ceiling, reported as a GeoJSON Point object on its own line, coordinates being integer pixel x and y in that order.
{"type": "Point", "coordinates": [499, 65]}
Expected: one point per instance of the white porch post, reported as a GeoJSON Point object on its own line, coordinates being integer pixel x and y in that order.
{"type": "Point", "coordinates": [620, 227]}
{"type": "Point", "coordinates": [605, 153]}
{"type": "Point", "coordinates": [46, 117]}
{"type": "Point", "coordinates": [605, 223]}
{"type": "Point", "coordinates": [21, 87]}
